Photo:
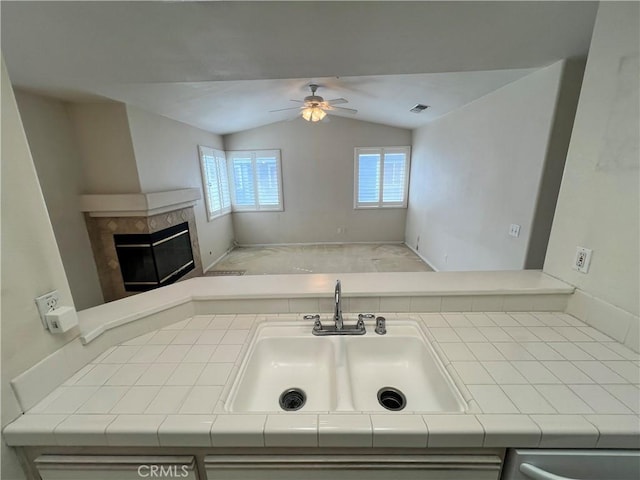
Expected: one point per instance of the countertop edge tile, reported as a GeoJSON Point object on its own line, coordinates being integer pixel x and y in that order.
{"type": "Point", "coordinates": [83, 430]}
{"type": "Point", "coordinates": [134, 430]}
{"type": "Point", "coordinates": [408, 431]}
{"type": "Point", "coordinates": [291, 430]}
{"type": "Point", "coordinates": [468, 432]}
{"type": "Point", "coordinates": [30, 430]}
{"type": "Point", "coordinates": [179, 430]}
{"type": "Point", "coordinates": [617, 431]}
{"type": "Point", "coordinates": [509, 430]}
{"type": "Point", "coordinates": [345, 430]}
{"type": "Point", "coordinates": [560, 430]}
{"type": "Point", "coordinates": [240, 430]}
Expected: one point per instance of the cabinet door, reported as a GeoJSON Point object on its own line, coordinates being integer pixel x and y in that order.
{"type": "Point", "coordinates": [348, 467]}
{"type": "Point", "coordinates": [109, 467]}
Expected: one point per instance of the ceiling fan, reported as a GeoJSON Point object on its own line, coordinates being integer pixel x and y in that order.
{"type": "Point", "coordinates": [314, 108]}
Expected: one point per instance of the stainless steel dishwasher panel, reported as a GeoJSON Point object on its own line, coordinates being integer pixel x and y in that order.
{"type": "Point", "coordinates": [546, 464]}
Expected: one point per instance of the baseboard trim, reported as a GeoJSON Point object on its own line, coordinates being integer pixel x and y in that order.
{"type": "Point", "coordinates": [422, 257]}
{"type": "Point", "coordinates": [310, 244]}
{"type": "Point", "coordinates": [217, 260]}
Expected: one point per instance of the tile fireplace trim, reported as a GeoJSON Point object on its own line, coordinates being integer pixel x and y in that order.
{"type": "Point", "coordinates": [138, 204]}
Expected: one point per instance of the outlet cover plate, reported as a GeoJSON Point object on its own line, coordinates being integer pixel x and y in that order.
{"type": "Point", "coordinates": [514, 230]}
{"type": "Point", "coordinates": [46, 303]}
{"type": "Point", "coordinates": [582, 259]}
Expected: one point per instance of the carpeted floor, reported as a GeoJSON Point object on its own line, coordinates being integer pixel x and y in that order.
{"type": "Point", "coordinates": [347, 258]}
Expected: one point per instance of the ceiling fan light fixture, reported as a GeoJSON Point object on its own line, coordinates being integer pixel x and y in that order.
{"type": "Point", "coordinates": [313, 114]}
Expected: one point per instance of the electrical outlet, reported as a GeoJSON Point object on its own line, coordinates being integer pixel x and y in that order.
{"type": "Point", "coordinates": [582, 259]}
{"type": "Point", "coordinates": [514, 230]}
{"type": "Point", "coordinates": [46, 303]}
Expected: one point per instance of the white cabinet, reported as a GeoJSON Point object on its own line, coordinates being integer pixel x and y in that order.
{"type": "Point", "coordinates": [110, 467]}
{"type": "Point", "coordinates": [353, 467]}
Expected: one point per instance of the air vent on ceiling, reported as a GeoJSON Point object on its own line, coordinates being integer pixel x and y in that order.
{"type": "Point", "coordinates": [419, 108]}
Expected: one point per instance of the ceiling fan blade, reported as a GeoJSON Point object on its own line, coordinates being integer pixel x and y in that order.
{"type": "Point", "coordinates": [297, 101]}
{"type": "Point", "coordinates": [346, 110]}
{"type": "Point", "coordinates": [337, 101]}
{"type": "Point", "coordinates": [283, 109]}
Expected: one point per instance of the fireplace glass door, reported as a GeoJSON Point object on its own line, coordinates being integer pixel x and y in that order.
{"type": "Point", "coordinates": [151, 260]}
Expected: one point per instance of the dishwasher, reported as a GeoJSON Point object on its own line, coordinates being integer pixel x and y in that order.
{"type": "Point", "coordinates": [548, 464]}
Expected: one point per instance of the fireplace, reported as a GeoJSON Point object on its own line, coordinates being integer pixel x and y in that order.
{"type": "Point", "coordinates": [143, 241]}
{"type": "Point", "coordinates": [151, 260]}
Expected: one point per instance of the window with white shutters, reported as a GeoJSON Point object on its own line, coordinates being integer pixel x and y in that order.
{"type": "Point", "coordinates": [215, 182]}
{"type": "Point", "coordinates": [256, 180]}
{"type": "Point", "coordinates": [381, 177]}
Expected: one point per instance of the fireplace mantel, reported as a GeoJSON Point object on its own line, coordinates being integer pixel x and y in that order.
{"type": "Point", "coordinates": [138, 204]}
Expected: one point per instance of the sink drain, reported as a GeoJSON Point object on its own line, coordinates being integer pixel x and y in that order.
{"type": "Point", "coordinates": [292, 399]}
{"type": "Point", "coordinates": [391, 398]}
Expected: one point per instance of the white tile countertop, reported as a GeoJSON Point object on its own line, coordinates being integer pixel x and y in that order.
{"type": "Point", "coordinates": [95, 321]}
{"type": "Point", "coordinates": [536, 379]}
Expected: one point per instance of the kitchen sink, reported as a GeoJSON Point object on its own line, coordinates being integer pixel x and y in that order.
{"type": "Point", "coordinates": [403, 361]}
{"type": "Point", "coordinates": [281, 358]}
{"type": "Point", "coordinates": [288, 368]}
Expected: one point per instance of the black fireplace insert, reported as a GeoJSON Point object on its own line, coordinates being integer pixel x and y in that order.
{"type": "Point", "coordinates": [151, 260]}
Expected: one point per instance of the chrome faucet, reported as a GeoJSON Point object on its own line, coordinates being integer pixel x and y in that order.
{"type": "Point", "coordinates": [339, 328]}
{"type": "Point", "coordinates": [337, 314]}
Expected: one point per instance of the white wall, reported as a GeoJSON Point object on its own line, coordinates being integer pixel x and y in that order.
{"type": "Point", "coordinates": [31, 265]}
{"type": "Point", "coordinates": [59, 166]}
{"type": "Point", "coordinates": [477, 170]}
{"type": "Point", "coordinates": [166, 153]}
{"type": "Point", "coordinates": [598, 206]}
{"type": "Point", "coordinates": [317, 176]}
{"type": "Point", "coordinates": [104, 140]}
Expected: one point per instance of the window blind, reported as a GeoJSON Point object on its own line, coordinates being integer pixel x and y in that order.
{"type": "Point", "coordinates": [381, 177]}
{"type": "Point", "coordinates": [369, 178]}
{"type": "Point", "coordinates": [215, 181]}
{"type": "Point", "coordinates": [256, 180]}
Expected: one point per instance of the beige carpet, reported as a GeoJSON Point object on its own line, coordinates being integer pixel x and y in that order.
{"type": "Point", "coordinates": [348, 258]}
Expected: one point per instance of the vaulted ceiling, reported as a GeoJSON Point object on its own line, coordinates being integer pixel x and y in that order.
{"type": "Point", "coordinates": [222, 66]}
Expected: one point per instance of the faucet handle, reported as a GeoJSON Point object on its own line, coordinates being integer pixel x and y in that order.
{"type": "Point", "coordinates": [316, 321]}
{"type": "Point", "coordinates": [381, 326]}
{"type": "Point", "coordinates": [365, 316]}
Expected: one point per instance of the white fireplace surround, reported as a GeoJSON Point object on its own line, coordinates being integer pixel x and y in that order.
{"type": "Point", "coordinates": [138, 204]}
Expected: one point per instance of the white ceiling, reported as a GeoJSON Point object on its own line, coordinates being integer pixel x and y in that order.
{"type": "Point", "coordinates": [223, 65]}
{"type": "Point", "coordinates": [231, 106]}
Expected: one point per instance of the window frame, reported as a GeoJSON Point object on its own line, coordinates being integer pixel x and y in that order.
{"type": "Point", "coordinates": [406, 150]}
{"type": "Point", "coordinates": [256, 207]}
{"type": "Point", "coordinates": [220, 162]}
